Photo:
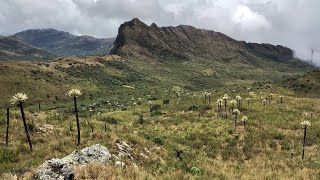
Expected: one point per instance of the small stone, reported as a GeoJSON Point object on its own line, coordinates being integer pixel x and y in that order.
{"type": "Point", "coordinates": [120, 164]}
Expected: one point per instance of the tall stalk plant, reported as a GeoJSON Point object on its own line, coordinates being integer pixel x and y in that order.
{"type": "Point", "coordinates": [305, 124]}
{"type": "Point", "coordinates": [74, 94]}
{"type": "Point", "coordinates": [236, 113]}
{"type": "Point", "coordinates": [7, 129]}
{"type": "Point", "coordinates": [20, 99]}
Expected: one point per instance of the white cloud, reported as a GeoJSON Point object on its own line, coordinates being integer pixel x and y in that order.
{"type": "Point", "coordinates": [249, 20]}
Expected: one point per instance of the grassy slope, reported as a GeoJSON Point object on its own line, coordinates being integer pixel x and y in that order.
{"type": "Point", "coordinates": [208, 143]}
{"type": "Point", "coordinates": [270, 146]}
{"type": "Point", "coordinates": [305, 85]}
{"type": "Point", "coordinates": [105, 76]}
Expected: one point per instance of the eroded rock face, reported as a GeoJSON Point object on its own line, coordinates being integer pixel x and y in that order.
{"type": "Point", "coordinates": [63, 168]}
{"type": "Point", "coordinates": [183, 42]}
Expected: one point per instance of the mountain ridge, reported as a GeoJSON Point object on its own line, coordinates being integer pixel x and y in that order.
{"type": "Point", "coordinates": [185, 42]}
{"type": "Point", "coordinates": [64, 43]}
{"type": "Point", "coordinates": [12, 48]}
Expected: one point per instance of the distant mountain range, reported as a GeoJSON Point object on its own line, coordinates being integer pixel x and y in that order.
{"type": "Point", "coordinates": [12, 48]}
{"type": "Point", "coordinates": [65, 44]}
{"type": "Point", "coordinates": [43, 44]}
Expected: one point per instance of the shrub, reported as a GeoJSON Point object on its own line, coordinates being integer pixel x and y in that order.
{"type": "Point", "coordinates": [195, 171]}
{"type": "Point", "coordinates": [108, 119]}
{"type": "Point", "coordinates": [166, 101]}
{"type": "Point", "coordinates": [155, 107]}
{"type": "Point", "coordinates": [212, 148]}
{"type": "Point", "coordinates": [205, 108]}
{"type": "Point", "coordinates": [276, 134]}
{"type": "Point", "coordinates": [193, 108]}
{"type": "Point", "coordinates": [273, 145]}
{"type": "Point", "coordinates": [156, 113]}
{"type": "Point", "coordinates": [248, 147]}
{"type": "Point", "coordinates": [140, 120]}
{"type": "Point", "coordinates": [7, 155]}
{"type": "Point", "coordinates": [230, 151]}
{"type": "Point", "coordinates": [157, 140]}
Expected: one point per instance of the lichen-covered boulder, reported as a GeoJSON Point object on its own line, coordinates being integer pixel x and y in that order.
{"type": "Point", "coordinates": [56, 169]}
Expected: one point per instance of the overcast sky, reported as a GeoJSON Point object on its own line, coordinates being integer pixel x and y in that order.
{"type": "Point", "coordinates": [292, 23]}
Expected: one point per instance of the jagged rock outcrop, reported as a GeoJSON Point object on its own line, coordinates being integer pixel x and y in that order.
{"type": "Point", "coordinates": [63, 168]}
{"type": "Point", "coordinates": [183, 42]}
{"type": "Point", "coordinates": [274, 52]}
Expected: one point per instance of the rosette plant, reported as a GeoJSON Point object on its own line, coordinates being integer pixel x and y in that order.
{"type": "Point", "coordinates": [134, 107]}
{"type": "Point", "coordinates": [20, 99]}
{"type": "Point", "coordinates": [244, 119]}
{"type": "Point", "coordinates": [150, 105]}
{"type": "Point", "coordinates": [233, 103]}
{"type": "Point", "coordinates": [270, 98]}
{"type": "Point", "coordinates": [209, 98]}
{"type": "Point", "coordinates": [305, 124]}
{"type": "Point", "coordinates": [139, 101]}
{"type": "Point", "coordinates": [239, 102]}
{"type": "Point", "coordinates": [204, 98]}
{"type": "Point", "coordinates": [194, 101]}
{"type": "Point", "coordinates": [7, 129]}
{"type": "Point", "coordinates": [281, 99]}
{"type": "Point", "coordinates": [219, 103]}
{"type": "Point", "coordinates": [248, 102]}
{"type": "Point", "coordinates": [236, 113]}
{"type": "Point", "coordinates": [74, 94]}
{"type": "Point", "coordinates": [264, 102]}
{"type": "Point", "coordinates": [225, 98]}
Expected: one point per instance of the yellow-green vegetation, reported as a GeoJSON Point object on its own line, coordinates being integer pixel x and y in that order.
{"type": "Point", "coordinates": [113, 75]}
{"type": "Point", "coordinates": [185, 140]}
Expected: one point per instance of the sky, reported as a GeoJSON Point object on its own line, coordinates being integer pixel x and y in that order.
{"type": "Point", "coordinates": [292, 23]}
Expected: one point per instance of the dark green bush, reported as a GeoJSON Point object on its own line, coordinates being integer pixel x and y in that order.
{"type": "Point", "coordinates": [140, 120]}
{"type": "Point", "coordinates": [155, 107]}
{"type": "Point", "coordinates": [157, 140]}
{"type": "Point", "coordinates": [156, 113]}
{"type": "Point", "coordinates": [194, 170]}
{"type": "Point", "coordinates": [108, 119]}
{"type": "Point", "coordinates": [193, 108]}
{"type": "Point", "coordinates": [166, 101]}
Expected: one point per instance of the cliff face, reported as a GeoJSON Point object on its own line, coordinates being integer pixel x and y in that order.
{"type": "Point", "coordinates": [270, 51]}
{"type": "Point", "coordinates": [135, 38]}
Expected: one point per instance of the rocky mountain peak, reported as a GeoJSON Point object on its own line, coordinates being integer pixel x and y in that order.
{"type": "Point", "coordinates": [183, 42]}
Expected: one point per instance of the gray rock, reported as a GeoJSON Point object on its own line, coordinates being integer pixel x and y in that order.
{"type": "Point", "coordinates": [59, 169]}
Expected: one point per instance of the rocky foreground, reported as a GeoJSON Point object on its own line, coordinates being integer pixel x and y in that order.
{"type": "Point", "coordinates": [64, 168]}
